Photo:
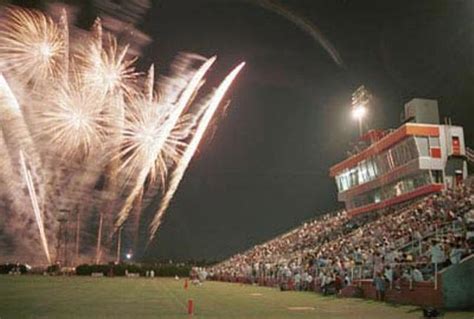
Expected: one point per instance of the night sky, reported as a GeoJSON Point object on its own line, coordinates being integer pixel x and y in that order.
{"type": "Point", "coordinates": [264, 168]}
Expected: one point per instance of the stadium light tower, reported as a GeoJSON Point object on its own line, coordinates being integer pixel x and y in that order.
{"type": "Point", "coordinates": [62, 238]}
{"type": "Point", "coordinates": [360, 100]}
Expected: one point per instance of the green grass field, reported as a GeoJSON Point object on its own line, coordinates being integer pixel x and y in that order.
{"type": "Point", "coordinates": [81, 297]}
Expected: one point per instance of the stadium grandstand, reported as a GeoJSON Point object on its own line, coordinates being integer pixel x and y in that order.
{"type": "Point", "coordinates": [406, 234]}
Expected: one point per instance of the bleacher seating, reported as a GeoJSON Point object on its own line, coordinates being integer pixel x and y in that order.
{"type": "Point", "coordinates": [405, 245]}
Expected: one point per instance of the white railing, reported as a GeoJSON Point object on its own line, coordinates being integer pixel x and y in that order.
{"type": "Point", "coordinates": [470, 154]}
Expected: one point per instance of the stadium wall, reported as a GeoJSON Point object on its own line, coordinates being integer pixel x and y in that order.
{"type": "Point", "coordinates": [420, 293]}
{"type": "Point", "coordinates": [455, 289]}
{"type": "Point", "coordinates": [458, 285]}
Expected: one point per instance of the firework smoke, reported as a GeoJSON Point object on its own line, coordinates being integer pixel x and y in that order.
{"type": "Point", "coordinates": [85, 137]}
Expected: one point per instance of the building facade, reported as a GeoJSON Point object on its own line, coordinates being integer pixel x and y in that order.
{"type": "Point", "coordinates": [414, 160]}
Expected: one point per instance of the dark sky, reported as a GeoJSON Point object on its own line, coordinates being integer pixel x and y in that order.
{"type": "Point", "coordinates": [265, 168]}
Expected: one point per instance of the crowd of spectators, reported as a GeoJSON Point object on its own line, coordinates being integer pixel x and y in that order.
{"type": "Point", "coordinates": [409, 243]}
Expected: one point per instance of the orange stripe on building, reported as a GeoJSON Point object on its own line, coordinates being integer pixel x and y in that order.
{"type": "Point", "coordinates": [385, 143]}
{"type": "Point", "coordinates": [422, 130]}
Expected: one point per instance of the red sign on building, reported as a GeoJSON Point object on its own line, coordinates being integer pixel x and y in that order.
{"type": "Point", "coordinates": [456, 145]}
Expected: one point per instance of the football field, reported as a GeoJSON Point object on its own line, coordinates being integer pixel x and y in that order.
{"type": "Point", "coordinates": [86, 297]}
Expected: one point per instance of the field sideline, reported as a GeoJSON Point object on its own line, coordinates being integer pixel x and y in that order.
{"type": "Point", "coordinates": [85, 297]}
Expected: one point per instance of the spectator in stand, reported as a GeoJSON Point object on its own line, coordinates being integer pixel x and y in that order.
{"type": "Point", "coordinates": [363, 245]}
{"type": "Point", "coordinates": [456, 253]}
{"type": "Point", "coordinates": [438, 258]}
{"type": "Point", "coordinates": [416, 274]}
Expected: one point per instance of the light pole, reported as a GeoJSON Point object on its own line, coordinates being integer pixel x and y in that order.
{"type": "Point", "coordinates": [61, 249]}
{"type": "Point", "coordinates": [119, 245]}
{"type": "Point", "coordinates": [99, 239]}
{"type": "Point", "coordinates": [360, 101]}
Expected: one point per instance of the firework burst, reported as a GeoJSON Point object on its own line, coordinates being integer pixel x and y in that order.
{"type": "Point", "coordinates": [75, 120]}
{"type": "Point", "coordinates": [31, 45]}
{"type": "Point", "coordinates": [91, 137]}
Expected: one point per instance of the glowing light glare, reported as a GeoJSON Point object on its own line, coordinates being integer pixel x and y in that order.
{"type": "Point", "coordinates": [128, 256]}
{"type": "Point", "coordinates": [359, 112]}
{"type": "Point", "coordinates": [110, 78]}
{"type": "Point", "coordinates": [45, 50]}
{"type": "Point", "coordinates": [184, 161]}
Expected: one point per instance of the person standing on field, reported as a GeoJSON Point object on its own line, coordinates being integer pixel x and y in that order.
{"type": "Point", "coordinates": [379, 283]}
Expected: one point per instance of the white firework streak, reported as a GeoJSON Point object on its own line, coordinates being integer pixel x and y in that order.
{"type": "Point", "coordinates": [18, 216]}
{"type": "Point", "coordinates": [15, 130]}
{"type": "Point", "coordinates": [16, 137]}
{"type": "Point", "coordinates": [35, 206]}
{"type": "Point", "coordinates": [184, 161]}
{"type": "Point", "coordinates": [161, 139]}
